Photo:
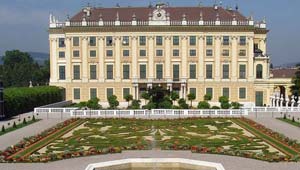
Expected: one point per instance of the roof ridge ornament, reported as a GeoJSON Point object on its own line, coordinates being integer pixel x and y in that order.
{"type": "Point", "coordinates": [100, 17]}
{"type": "Point", "coordinates": [117, 17]}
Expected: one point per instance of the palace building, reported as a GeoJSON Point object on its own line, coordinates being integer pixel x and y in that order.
{"type": "Point", "coordinates": [125, 50]}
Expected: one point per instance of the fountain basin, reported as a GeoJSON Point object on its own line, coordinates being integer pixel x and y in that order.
{"type": "Point", "coordinates": [155, 164]}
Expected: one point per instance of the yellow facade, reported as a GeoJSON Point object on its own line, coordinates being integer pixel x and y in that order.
{"type": "Point", "coordinates": [232, 55]}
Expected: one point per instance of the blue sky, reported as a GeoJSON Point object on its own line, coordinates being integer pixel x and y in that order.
{"type": "Point", "coordinates": [24, 23]}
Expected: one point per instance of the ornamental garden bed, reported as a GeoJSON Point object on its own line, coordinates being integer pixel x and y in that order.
{"type": "Point", "coordinates": [83, 137]}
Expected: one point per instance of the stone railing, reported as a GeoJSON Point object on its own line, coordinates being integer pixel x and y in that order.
{"type": "Point", "coordinates": [156, 112]}
{"type": "Point", "coordinates": [84, 23]}
{"type": "Point", "coordinates": [273, 109]}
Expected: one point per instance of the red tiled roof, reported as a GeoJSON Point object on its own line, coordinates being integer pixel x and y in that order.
{"type": "Point", "coordinates": [284, 72]}
{"type": "Point", "coordinates": [176, 13]}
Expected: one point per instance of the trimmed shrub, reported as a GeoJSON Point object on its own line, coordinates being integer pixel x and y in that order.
{"type": "Point", "coordinates": [236, 105]}
{"type": "Point", "coordinates": [14, 125]}
{"type": "Point", "coordinates": [215, 107]}
{"type": "Point", "coordinates": [3, 128]}
{"type": "Point", "coordinates": [207, 97]}
{"type": "Point", "coordinates": [203, 105]}
{"type": "Point", "coordinates": [24, 99]}
{"type": "Point", "coordinates": [33, 118]}
{"type": "Point", "coordinates": [24, 121]}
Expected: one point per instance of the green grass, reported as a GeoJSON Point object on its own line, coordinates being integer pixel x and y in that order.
{"type": "Point", "coordinates": [19, 126]}
{"type": "Point", "coordinates": [290, 122]}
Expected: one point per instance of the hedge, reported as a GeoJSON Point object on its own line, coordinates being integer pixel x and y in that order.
{"type": "Point", "coordinates": [24, 99]}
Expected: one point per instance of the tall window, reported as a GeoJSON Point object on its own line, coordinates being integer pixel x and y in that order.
{"type": "Point", "coordinates": [75, 53]}
{"type": "Point", "coordinates": [259, 98]}
{"type": "Point", "coordinates": [209, 40]}
{"type": "Point", "coordinates": [125, 41]}
{"type": "Point", "coordinates": [259, 71]}
{"type": "Point", "coordinates": [226, 92]}
{"type": "Point", "coordinates": [225, 71]}
{"type": "Point", "coordinates": [192, 40]}
{"type": "Point", "coordinates": [93, 72]}
{"type": "Point", "coordinates": [109, 53]}
{"type": "Point", "coordinates": [193, 91]}
{"type": "Point", "coordinates": [143, 71]}
{"type": "Point", "coordinates": [62, 72]}
{"type": "Point", "coordinates": [193, 71]}
{"type": "Point", "coordinates": [142, 53]}
{"type": "Point", "coordinates": [225, 40]}
{"type": "Point", "coordinates": [109, 41]}
{"type": "Point", "coordinates": [242, 93]}
{"type": "Point", "coordinates": [159, 71]}
{"type": "Point", "coordinates": [109, 92]}
{"type": "Point", "coordinates": [93, 93]}
{"type": "Point", "coordinates": [126, 91]}
{"type": "Point", "coordinates": [209, 91]}
{"type": "Point", "coordinates": [176, 72]}
{"type": "Point", "coordinates": [209, 52]}
{"type": "Point", "coordinates": [125, 53]}
{"type": "Point", "coordinates": [242, 53]}
{"type": "Point", "coordinates": [61, 54]}
{"type": "Point", "coordinates": [159, 53]}
{"type": "Point", "coordinates": [175, 53]}
{"type": "Point", "coordinates": [142, 40]}
{"type": "Point", "coordinates": [193, 53]}
{"type": "Point", "coordinates": [209, 71]}
{"type": "Point", "coordinates": [126, 71]}
{"type": "Point", "coordinates": [76, 93]}
{"type": "Point", "coordinates": [225, 53]}
{"type": "Point", "coordinates": [242, 40]}
{"type": "Point", "coordinates": [93, 53]}
{"type": "Point", "coordinates": [61, 42]}
{"type": "Point", "coordinates": [75, 41]}
{"type": "Point", "coordinates": [93, 41]}
{"type": "Point", "coordinates": [242, 71]}
{"type": "Point", "coordinates": [109, 72]}
{"type": "Point", "coordinates": [76, 72]}
{"type": "Point", "coordinates": [159, 40]}
{"type": "Point", "coordinates": [175, 40]}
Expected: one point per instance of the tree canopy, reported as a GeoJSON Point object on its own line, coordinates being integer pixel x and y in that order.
{"type": "Point", "coordinates": [19, 69]}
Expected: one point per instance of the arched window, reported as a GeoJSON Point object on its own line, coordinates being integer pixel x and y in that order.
{"type": "Point", "coordinates": [259, 71]}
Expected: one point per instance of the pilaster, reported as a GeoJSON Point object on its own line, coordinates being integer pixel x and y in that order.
{"type": "Point", "coordinates": [184, 56]}
{"type": "Point", "coordinates": [201, 58]}
{"type": "Point", "coordinates": [234, 66]}
{"type": "Point", "coordinates": [68, 59]}
{"type": "Point", "coordinates": [168, 57]}
{"type": "Point", "coordinates": [250, 58]}
{"type": "Point", "coordinates": [151, 57]}
{"type": "Point", "coordinates": [84, 59]}
{"type": "Point", "coordinates": [117, 68]}
{"type": "Point", "coordinates": [101, 59]}
{"type": "Point", "coordinates": [134, 69]}
{"type": "Point", "coordinates": [217, 57]}
{"type": "Point", "coordinates": [53, 60]}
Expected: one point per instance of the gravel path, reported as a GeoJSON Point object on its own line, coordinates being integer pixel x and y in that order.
{"type": "Point", "coordinates": [229, 162]}
{"type": "Point", "coordinates": [276, 125]}
{"type": "Point", "coordinates": [13, 137]}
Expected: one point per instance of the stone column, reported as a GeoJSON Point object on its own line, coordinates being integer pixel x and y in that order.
{"type": "Point", "coordinates": [134, 70]}
{"type": "Point", "coordinates": [53, 59]}
{"type": "Point", "coordinates": [169, 85]}
{"type": "Point", "coordinates": [168, 57]}
{"type": "Point", "coordinates": [234, 65]}
{"type": "Point", "coordinates": [84, 59]}
{"type": "Point", "coordinates": [287, 101]}
{"type": "Point", "coordinates": [184, 57]}
{"type": "Point", "coordinates": [250, 58]}
{"type": "Point", "coordinates": [117, 68]}
{"type": "Point", "coordinates": [68, 59]}
{"type": "Point", "coordinates": [101, 67]}
{"type": "Point", "coordinates": [281, 100]}
{"type": "Point", "coordinates": [136, 91]}
{"type": "Point", "coordinates": [183, 90]}
{"type": "Point", "coordinates": [151, 57]}
{"type": "Point", "coordinates": [217, 57]}
{"type": "Point", "coordinates": [201, 58]}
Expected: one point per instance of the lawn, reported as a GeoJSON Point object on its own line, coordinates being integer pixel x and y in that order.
{"type": "Point", "coordinates": [294, 123]}
{"type": "Point", "coordinates": [84, 137]}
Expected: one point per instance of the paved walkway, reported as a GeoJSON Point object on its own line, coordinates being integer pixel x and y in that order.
{"type": "Point", "coordinates": [229, 162]}
{"type": "Point", "coordinates": [271, 122]}
{"type": "Point", "coordinates": [13, 137]}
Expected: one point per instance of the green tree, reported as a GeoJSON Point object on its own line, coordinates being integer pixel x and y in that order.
{"type": "Point", "coordinates": [224, 102]}
{"type": "Point", "coordinates": [166, 103]}
{"type": "Point", "coordinates": [174, 96]}
{"type": "Point", "coordinates": [191, 97]}
{"type": "Point", "coordinates": [182, 104]}
{"type": "Point", "coordinates": [128, 98]}
{"type": "Point", "coordinates": [14, 125]}
{"type": "Point", "coordinates": [295, 88]}
{"type": "Point", "coordinates": [93, 104]}
{"type": "Point", "coordinates": [136, 104]}
{"type": "Point", "coordinates": [19, 68]}
{"type": "Point", "coordinates": [113, 102]}
{"type": "Point", "coordinates": [3, 128]}
{"type": "Point", "coordinates": [203, 105]}
{"type": "Point", "coordinates": [236, 105]}
{"type": "Point", "coordinates": [207, 97]}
